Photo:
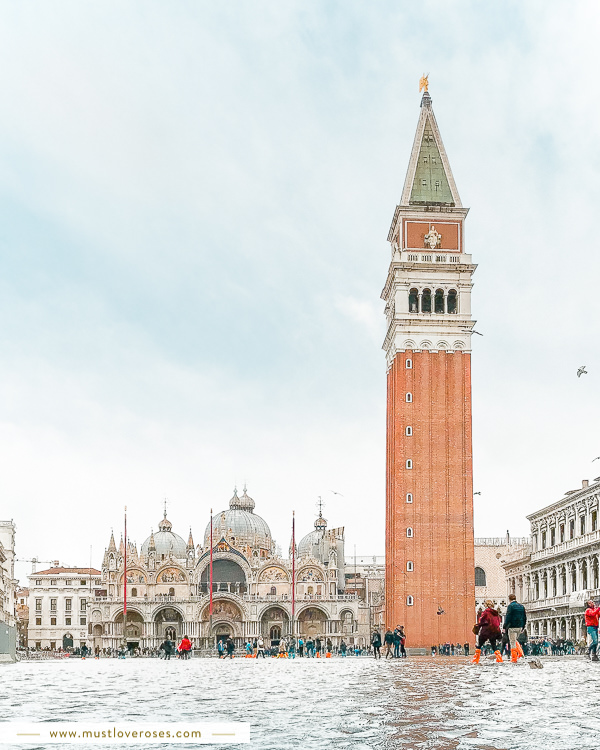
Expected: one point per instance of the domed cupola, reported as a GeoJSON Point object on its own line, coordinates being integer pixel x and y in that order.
{"type": "Point", "coordinates": [310, 545]}
{"type": "Point", "coordinates": [240, 525]}
{"type": "Point", "coordinates": [165, 541]}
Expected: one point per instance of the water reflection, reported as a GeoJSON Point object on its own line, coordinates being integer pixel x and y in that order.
{"type": "Point", "coordinates": [334, 703]}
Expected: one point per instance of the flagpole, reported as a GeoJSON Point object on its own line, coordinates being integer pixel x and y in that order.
{"type": "Point", "coordinates": [210, 608]}
{"type": "Point", "coordinates": [125, 585]}
{"type": "Point", "coordinates": [293, 568]}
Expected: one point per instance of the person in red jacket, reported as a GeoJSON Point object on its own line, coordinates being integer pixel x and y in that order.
{"type": "Point", "coordinates": [591, 620]}
{"type": "Point", "coordinates": [185, 647]}
{"type": "Point", "coordinates": [489, 630]}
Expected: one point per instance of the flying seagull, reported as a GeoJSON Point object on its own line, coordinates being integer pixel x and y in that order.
{"type": "Point", "coordinates": [477, 493]}
{"type": "Point", "coordinates": [440, 610]}
{"type": "Point", "coordinates": [595, 459]}
{"type": "Point", "coordinates": [336, 493]}
{"type": "Point", "coordinates": [581, 371]}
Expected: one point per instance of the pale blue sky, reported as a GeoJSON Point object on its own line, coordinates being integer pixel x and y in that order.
{"type": "Point", "coordinates": [194, 204]}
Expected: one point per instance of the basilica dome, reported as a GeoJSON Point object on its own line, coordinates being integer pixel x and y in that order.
{"type": "Point", "coordinates": [240, 524]}
{"type": "Point", "coordinates": [165, 541]}
{"type": "Point", "coordinates": [309, 545]}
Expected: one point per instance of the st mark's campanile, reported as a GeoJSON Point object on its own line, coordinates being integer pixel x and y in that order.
{"type": "Point", "coordinates": [429, 483]}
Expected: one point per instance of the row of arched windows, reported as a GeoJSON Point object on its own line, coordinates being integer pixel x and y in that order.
{"type": "Point", "coordinates": [438, 302]}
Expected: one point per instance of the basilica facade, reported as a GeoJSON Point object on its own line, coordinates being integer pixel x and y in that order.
{"type": "Point", "coordinates": [168, 586]}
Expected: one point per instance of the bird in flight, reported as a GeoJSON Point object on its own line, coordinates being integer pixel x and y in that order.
{"type": "Point", "coordinates": [440, 610]}
{"type": "Point", "coordinates": [477, 493]}
{"type": "Point", "coordinates": [582, 371]}
{"type": "Point", "coordinates": [595, 459]}
{"type": "Point", "coordinates": [336, 493]}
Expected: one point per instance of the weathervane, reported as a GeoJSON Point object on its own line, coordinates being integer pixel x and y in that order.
{"type": "Point", "coordinates": [424, 83]}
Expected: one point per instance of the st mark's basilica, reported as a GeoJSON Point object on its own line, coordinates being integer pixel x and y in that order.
{"type": "Point", "coordinates": [168, 586]}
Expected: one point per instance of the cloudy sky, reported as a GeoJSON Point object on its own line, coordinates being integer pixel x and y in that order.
{"type": "Point", "coordinates": [195, 199]}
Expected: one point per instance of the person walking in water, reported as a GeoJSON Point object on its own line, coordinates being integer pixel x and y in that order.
{"type": "Point", "coordinates": [185, 647]}
{"type": "Point", "coordinates": [515, 620]}
{"type": "Point", "coordinates": [402, 642]}
{"type": "Point", "coordinates": [230, 647]}
{"type": "Point", "coordinates": [388, 639]}
{"type": "Point", "coordinates": [488, 629]}
{"type": "Point", "coordinates": [592, 613]}
{"type": "Point", "coordinates": [376, 643]}
{"type": "Point", "coordinates": [260, 647]}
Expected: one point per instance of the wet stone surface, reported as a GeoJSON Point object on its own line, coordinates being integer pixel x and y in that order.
{"type": "Point", "coordinates": [329, 703]}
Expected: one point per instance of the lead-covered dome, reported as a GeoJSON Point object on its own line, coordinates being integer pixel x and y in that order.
{"type": "Point", "coordinates": [309, 545]}
{"type": "Point", "coordinates": [240, 524]}
{"type": "Point", "coordinates": [165, 541]}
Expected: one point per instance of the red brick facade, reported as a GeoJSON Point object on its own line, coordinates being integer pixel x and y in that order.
{"type": "Point", "coordinates": [441, 512]}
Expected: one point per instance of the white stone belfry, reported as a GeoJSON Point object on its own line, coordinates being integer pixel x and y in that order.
{"type": "Point", "coordinates": [428, 288]}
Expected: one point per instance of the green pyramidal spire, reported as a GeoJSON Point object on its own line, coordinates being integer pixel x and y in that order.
{"type": "Point", "coordinates": [429, 180]}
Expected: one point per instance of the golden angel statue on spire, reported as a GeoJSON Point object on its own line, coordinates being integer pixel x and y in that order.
{"type": "Point", "coordinates": [424, 83]}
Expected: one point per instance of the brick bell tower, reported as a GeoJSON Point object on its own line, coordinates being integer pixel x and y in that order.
{"type": "Point", "coordinates": [429, 508]}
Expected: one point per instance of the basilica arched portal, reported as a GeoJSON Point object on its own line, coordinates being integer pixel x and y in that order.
{"type": "Point", "coordinates": [168, 622]}
{"type": "Point", "coordinates": [311, 621]}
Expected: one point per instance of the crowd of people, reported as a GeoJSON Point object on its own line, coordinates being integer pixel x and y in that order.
{"type": "Point", "coordinates": [394, 642]}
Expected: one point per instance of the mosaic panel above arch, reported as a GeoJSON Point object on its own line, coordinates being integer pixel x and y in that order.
{"type": "Point", "coordinates": [309, 574]}
{"type": "Point", "coordinates": [272, 574]}
{"type": "Point", "coordinates": [171, 575]}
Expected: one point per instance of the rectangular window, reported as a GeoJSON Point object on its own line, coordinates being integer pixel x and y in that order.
{"type": "Point", "coordinates": [82, 583]}
{"type": "Point", "coordinates": [83, 605]}
{"type": "Point", "coordinates": [67, 620]}
{"type": "Point", "coordinates": [53, 582]}
{"type": "Point", "coordinates": [38, 645]}
{"type": "Point", "coordinates": [82, 620]}
{"type": "Point", "coordinates": [68, 605]}
{"type": "Point", "coordinates": [53, 645]}
{"type": "Point", "coordinates": [68, 582]}
{"type": "Point", "coordinates": [543, 540]}
{"type": "Point", "coordinates": [53, 621]}
{"type": "Point", "coordinates": [582, 525]}
{"type": "Point", "coordinates": [571, 528]}
{"type": "Point", "coordinates": [552, 537]}
{"type": "Point", "coordinates": [562, 532]}
{"type": "Point", "coordinates": [594, 520]}
{"type": "Point", "coordinates": [38, 583]}
{"type": "Point", "coordinates": [38, 605]}
{"type": "Point", "coordinates": [53, 605]}
{"type": "Point", "coordinates": [38, 620]}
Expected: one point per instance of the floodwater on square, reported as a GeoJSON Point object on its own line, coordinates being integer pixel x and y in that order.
{"type": "Point", "coordinates": [354, 703]}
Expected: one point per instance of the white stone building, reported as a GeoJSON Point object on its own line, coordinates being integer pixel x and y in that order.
{"type": "Point", "coordinates": [558, 571]}
{"type": "Point", "coordinates": [490, 576]}
{"type": "Point", "coordinates": [168, 591]}
{"type": "Point", "coordinates": [8, 587]}
{"type": "Point", "coordinates": [58, 606]}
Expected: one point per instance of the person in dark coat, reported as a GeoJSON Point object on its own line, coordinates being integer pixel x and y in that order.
{"type": "Point", "coordinates": [167, 648]}
{"type": "Point", "coordinates": [396, 637]}
{"type": "Point", "coordinates": [376, 643]}
{"type": "Point", "coordinates": [515, 620]}
{"type": "Point", "coordinates": [388, 639]}
{"type": "Point", "coordinates": [488, 624]}
{"type": "Point", "coordinates": [230, 647]}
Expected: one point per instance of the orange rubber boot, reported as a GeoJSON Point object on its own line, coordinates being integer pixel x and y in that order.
{"type": "Point", "coordinates": [498, 656]}
{"type": "Point", "coordinates": [519, 650]}
{"type": "Point", "coordinates": [476, 657]}
{"type": "Point", "coordinates": [514, 655]}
